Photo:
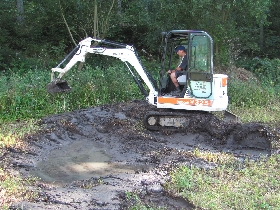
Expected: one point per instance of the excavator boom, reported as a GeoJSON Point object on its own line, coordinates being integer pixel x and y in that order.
{"type": "Point", "coordinates": [126, 53]}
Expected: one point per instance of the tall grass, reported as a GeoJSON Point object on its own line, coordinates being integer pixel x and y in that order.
{"type": "Point", "coordinates": [24, 96]}
{"type": "Point", "coordinates": [252, 100]}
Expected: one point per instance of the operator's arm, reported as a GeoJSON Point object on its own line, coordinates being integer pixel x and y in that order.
{"type": "Point", "coordinates": [182, 66]}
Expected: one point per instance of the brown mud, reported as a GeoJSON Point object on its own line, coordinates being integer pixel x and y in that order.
{"type": "Point", "coordinates": [96, 158]}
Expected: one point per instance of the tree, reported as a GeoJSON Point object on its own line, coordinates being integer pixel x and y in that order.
{"type": "Point", "coordinates": [20, 11]}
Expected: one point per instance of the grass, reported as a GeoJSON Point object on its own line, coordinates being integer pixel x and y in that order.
{"type": "Point", "coordinates": [251, 99]}
{"type": "Point", "coordinates": [137, 204]}
{"type": "Point", "coordinates": [12, 186]}
{"type": "Point", "coordinates": [13, 189]}
{"type": "Point", "coordinates": [269, 113]}
{"type": "Point", "coordinates": [24, 96]}
{"type": "Point", "coordinates": [231, 185]}
{"type": "Point", "coordinates": [12, 134]}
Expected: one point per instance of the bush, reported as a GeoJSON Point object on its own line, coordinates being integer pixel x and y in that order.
{"type": "Point", "coordinates": [267, 70]}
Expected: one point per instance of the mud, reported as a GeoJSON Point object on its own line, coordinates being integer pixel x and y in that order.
{"type": "Point", "coordinates": [95, 158]}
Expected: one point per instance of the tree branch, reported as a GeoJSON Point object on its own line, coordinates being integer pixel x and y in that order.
{"type": "Point", "coordinates": [61, 10]}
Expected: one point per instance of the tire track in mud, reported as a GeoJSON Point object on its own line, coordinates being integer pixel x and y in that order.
{"type": "Point", "coordinates": [90, 158]}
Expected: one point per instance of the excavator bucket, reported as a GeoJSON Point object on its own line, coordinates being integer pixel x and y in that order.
{"type": "Point", "coordinates": [58, 87]}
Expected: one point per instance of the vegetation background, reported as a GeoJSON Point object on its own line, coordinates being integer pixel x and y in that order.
{"type": "Point", "coordinates": [35, 36]}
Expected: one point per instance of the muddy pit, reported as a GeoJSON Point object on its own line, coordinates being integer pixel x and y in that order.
{"type": "Point", "coordinates": [91, 158]}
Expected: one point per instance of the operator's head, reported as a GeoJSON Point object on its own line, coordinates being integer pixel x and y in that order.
{"type": "Point", "coordinates": [180, 49]}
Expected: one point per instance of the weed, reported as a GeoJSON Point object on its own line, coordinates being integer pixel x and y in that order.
{"type": "Point", "coordinates": [12, 188]}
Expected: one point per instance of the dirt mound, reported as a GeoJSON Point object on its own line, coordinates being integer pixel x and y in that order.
{"type": "Point", "coordinates": [96, 158]}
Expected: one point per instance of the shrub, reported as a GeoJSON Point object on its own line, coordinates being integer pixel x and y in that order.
{"type": "Point", "coordinates": [267, 70]}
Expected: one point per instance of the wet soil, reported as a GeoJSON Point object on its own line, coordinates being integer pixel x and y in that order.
{"type": "Point", "coordinates": [95, 158]}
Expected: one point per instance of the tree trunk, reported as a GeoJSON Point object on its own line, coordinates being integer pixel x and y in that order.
{"type": "Point", "coordinates": [119, 7]}
{"type": "Point", "coordinates": [20, 11]}
{"type": "Point", "coordinates": [95, 20]}
{"type": "Point", "coordinates": [261, 37]}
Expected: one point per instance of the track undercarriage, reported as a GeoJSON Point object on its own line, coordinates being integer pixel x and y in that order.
{"type": "Point", "coordinates": [172, 120]}
{"type": "Point", "coordinates": [218, 131]}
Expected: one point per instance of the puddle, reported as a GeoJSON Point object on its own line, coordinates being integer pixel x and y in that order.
{"type": "Point", "coordinates": [78, 161]}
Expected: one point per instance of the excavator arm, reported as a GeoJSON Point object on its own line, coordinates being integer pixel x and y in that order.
{"type": "Point", "coordinates": [126, 53]}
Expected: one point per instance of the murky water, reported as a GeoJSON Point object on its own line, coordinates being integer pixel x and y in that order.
{"type": "Point", "coordinates": [77, 161]}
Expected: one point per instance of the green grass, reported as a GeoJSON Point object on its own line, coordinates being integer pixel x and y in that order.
{"type": "Point", "coordinates": [254, 101]}
{"type": "Point", "coordinates": [269, 113]}
{"type": "Point", "coordinates": [24, 96]}
{"type": "Point", "coordinates": [11, 134]}
{"type": "Point", "coordinates": [231, 185]}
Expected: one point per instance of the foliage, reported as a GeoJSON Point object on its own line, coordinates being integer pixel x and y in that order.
{"type": "Point", "coordinates": [232, 185]}
{"type": "Point", "coordinates": [248, 94]}
{"type": "Point", "coordinates": [236, 26]}
{"type": "Point", "coordinates": [260, 88]}
{"type": "Point", "coordinates": [23, 95]}
{"type": "Point", "coordinates": [267, 70]}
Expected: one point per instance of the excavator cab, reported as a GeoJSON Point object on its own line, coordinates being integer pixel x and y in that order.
{"type": "Point", "coordinates": [201, 89]}
{"type": "Point", "coordinates": [198, 76]}
{"type": "Point", "coordinates": [200, 72]}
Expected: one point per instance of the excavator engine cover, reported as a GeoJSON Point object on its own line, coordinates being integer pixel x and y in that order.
{"type": "Point", "coordinates": [58, 87]}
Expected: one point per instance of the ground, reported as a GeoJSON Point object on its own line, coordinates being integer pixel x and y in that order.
{"type": "Point", "coordinates": [98, 158]}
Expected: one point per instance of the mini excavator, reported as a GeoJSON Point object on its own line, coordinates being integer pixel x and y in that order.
{"type": "Point", "coordinates": [201, 89]}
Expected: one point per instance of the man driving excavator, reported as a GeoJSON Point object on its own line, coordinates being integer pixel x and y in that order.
{"type": "Point", "coordinates": [174, 74]}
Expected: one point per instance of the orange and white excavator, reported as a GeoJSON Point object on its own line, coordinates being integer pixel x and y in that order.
{"type": "Point", "coordinates": [201, 89]}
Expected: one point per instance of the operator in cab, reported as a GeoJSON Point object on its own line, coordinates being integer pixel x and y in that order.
{"type": "Point", "coordinates": [174, 74]}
